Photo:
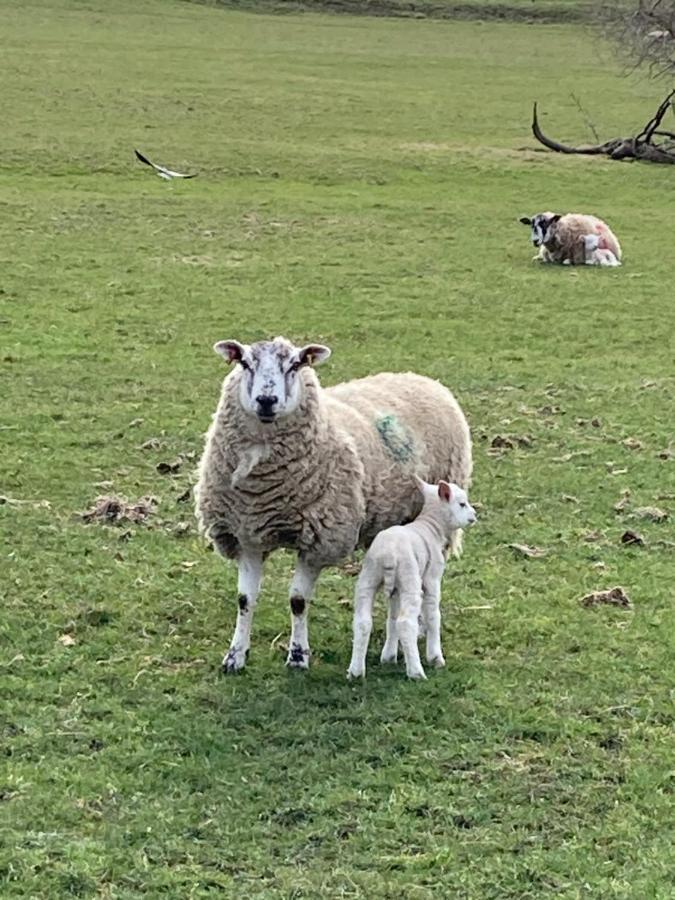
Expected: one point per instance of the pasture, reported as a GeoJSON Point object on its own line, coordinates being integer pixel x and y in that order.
{"type": "Point", "coordinates": [359, 185]}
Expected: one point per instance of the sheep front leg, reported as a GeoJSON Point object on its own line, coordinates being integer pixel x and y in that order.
{"type": "Point", "coordinates": [390, 650]}
{"type": "Point", "coordinates": [406, 626]}
{"type": "Point", "coordinates": [302, 588]}
{"type": "Point", "coordinates": [248, 583]}
{"type": "Point", "coordinates": [431, 606]}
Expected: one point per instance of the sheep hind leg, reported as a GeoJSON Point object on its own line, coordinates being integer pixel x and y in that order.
{"type": "Point", "coordinates": [302, 588]}
{"type": "Point", "coordinates": [248, 583]}
{"type": "Point", "coordinates": [364, 597]}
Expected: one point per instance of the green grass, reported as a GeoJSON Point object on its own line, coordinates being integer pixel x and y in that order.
{"type": "Point", "coordinates": [359, 185]}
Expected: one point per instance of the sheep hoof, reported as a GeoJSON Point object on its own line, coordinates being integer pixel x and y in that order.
{"type": "Point", "coordinates": [298, 657]}
{"type": "Point", "coordinates": [388, 659]}
{"type": "Point", "coordinates": [355, 673]}
{"type": "Point", "coordinates": [234, 661]}
{"type": "Point", "coordinates": [417, 674]}
{"type": "Point", "coordinates": [437, 662]}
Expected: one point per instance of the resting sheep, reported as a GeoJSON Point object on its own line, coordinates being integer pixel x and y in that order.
{"type": "Point", "coordinates": [560, 239]}
{"type": "Point", "coordinates": [321, 472]}
{"type": "Point", "coordinates": [408, 562]}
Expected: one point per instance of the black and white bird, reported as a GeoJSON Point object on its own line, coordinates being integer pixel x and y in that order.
{"type": "Point", "coordinates": [166, 174]}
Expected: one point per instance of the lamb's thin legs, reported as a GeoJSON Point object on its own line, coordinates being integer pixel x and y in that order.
{"type": "Point", "coordinates": [431, 604]}
{"type": "Point", "coordinates": [364, 598]}
{"type": "Point", "coordinates": [406, 626]}
{"type": "Point", "coordinates": [248, 584]}
{"type": "Point", "coordinates": [302, 588]}
{"type": "Point", "coordinates": [390, 650]}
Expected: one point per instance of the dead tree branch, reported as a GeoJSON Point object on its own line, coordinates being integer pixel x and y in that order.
{"type": "Point", "coordinates": [642, 146]}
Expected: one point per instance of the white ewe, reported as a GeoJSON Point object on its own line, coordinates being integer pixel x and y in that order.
{"type": "Point", "coordinates": [408, 562]}
{"type": "Point", "coordinates": [560, 238]}
{"type": "Point", "coordinates": [288, 464]}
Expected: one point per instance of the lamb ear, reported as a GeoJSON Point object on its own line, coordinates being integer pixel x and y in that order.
{"type": "Point", "coordinates": [231, 350]}
{"type": "Point", "coordinates": [313, 354]}
{"type": "Point", "coordinates": [421, 484]}
{"type": "Point", "coordinates": [526, 220]}
{"type": "Point", "coordinates": [444, 491]}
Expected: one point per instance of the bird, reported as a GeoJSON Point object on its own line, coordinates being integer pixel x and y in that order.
{"type": "Point", "coordinates": [164, 173]}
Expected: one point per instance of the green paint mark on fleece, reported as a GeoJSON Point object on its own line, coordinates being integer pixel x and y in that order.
{"type": "Point", "coordinates": [396, 438]}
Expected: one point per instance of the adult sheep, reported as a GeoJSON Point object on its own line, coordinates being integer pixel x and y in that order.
{"type": "Point", "coordinates": [562, 239]}
{"type": "Point", "coordinates": [289, 464]}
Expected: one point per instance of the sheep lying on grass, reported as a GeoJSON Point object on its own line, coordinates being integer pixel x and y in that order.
{"type": "Point", "coordinates": [561, 239]}
{"type": "Point", "coordinates": [289, 464]}
{"type": "Point", "coordinates": [408, 562]}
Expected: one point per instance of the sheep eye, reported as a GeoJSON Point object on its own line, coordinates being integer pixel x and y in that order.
{"type": "Point", "coordinates": [295, 366]}
{"type": "Point", "coordinates": [463, 505]}
{"type": "Point", "coordinates": [244, 365]}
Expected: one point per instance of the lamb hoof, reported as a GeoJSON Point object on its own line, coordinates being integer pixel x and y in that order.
{"type": "Point", "coordinates": [416, 675]}
{"type": "Point", "coordinates": [355, 673]}
{"type": "Point", "coordinates": [298, 658]}
{"type": "Point", "coordinates": [388, 659]}
{"type": "Point", "coordinates": [415, 672]}
{"type": "Point", "coordinates": [234, 661]}
{"type": "Point", "coordinates": [437, 662]}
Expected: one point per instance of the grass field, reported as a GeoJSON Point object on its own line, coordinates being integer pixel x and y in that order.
{"type": "Point", "coordinates": [360, 181]}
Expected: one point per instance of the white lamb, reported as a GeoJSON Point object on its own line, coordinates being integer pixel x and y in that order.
{"type": "Point", "coordinates": [562, 239]}
{"type": "Point", "coordinates": [289, 464]}
{"type": "Point", "coordinates": [408, 562]}
{"type": "Point", "coordinates": [595, 255]}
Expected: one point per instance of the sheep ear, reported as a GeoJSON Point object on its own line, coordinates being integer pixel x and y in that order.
{"type": "Point", "coordinates": [444, 491]}
{"type": "Point", "coordinates": [526, 220]}
{"type": "Point", "coordinates": [232, 351]}
{"type": "Point", "coordinates": [421, 484]}
{"type": "Point", "coordinates": [313, 354]}
{"type": "Point", "coordinates": [555, 218]}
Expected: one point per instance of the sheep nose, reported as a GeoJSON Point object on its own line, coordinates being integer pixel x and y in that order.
{"type": "Point", "coordinates": [266, 403]}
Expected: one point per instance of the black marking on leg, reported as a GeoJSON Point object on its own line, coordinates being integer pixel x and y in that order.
{"type": "Point", "coordinates": [243, 603]}
{"type": "Point", "coordinates": [230, 661]}
{"type": "Point", "coordinates": [297, 605]}
{"type": "Point", "coordinates": [297, 655]}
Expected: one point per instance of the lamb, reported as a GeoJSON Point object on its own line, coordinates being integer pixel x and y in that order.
{"type": "Point", "coordinates": [408, 561]}
{"type": "Point", "coordinates": [560, 238]}
{"type": "Point", "coordinates": [594, 254]}
{"type": "Point", "coordinates": [318, 471]}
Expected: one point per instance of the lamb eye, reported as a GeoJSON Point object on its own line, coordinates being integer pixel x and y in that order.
{"type": "Point", "coordinates": [463, 505]}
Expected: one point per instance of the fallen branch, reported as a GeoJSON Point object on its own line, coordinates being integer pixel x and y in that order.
{"type": "Point", "coordinates": [642, 146]}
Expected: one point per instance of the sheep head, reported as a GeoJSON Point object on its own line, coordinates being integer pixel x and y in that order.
{"type": "Point", "coordinates": [271, 383]}
{"type": "Point", "coordinates": [541, 225]}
